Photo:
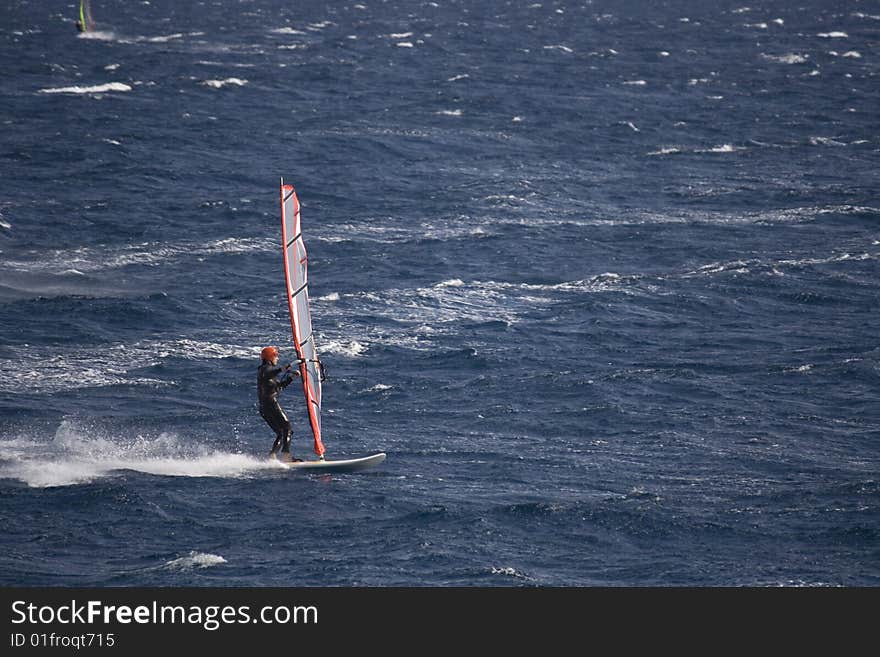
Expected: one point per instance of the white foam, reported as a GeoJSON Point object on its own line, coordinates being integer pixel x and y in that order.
{"type": "Point", "coordinates": [420, 314]}
{"type": "Point", "coordinates": [195, 560]}
{"type": "Point", "coordinates": [219, 84]}
{"type": "Point", "coordinates": [723, 148]}
{"type": "Point", "coordinates": [666, 150]}
{"type": "Point", "coordinates": [108, 365]}
{"type": "Point", "coordinates": [508, 571]}
{"type": "Point", "coordinates": [97, 35]}
{"type": "Point", "coordinates": [387, 233]}
{"type": "Point", "coordinates": [208, 62]}
{"type": "Point", "coordinates": [453, 282]}
{"type": "Point", "coordinates": [349, 348]}
{"type": "Point", "coordinates": [776, 268]}
{"type": "Point", "coordinates": [790, 58]}
{"type": "Point", "coordinates": [100, 258]}
{"type": "Point", "coordinates": [825, 141]}
{"type": "Point", "coordinates": [165, 38]}
{"type": "Point", "coordinates": [78, 455]}
{"type": "Point", "coordinates": [287, 30]}
{"type": "Point", "coordinates": [833, 35]}
{"type": "Point", "coordinates": [95, 89]}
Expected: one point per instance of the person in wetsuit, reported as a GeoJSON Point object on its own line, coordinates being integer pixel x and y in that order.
{"type": "Point", "coordinates": [272, 378]}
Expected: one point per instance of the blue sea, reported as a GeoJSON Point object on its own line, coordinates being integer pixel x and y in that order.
{"type": "Point", "coordinates": [601, 278]}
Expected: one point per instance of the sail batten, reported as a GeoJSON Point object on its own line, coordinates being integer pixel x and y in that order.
{"type": "Point", "coordinates": [296, 279]}
{"type": "Point", "coordinates": [304, 286]}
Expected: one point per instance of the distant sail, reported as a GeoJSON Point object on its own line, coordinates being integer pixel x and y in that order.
{"type": "Point", "coordinates": [85, 22]}
{"type": "Point", "coordinates": [296, 277]}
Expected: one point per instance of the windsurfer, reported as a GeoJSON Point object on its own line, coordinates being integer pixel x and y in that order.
{"type": "Point", "coordinates": [272, 379]}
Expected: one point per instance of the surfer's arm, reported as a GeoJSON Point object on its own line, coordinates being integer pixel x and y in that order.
{"type": "Point", "coordinates": [287, 375]}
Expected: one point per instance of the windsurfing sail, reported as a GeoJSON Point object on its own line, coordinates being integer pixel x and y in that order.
{"type": "Point", "coordinates": [297, 279]}
{"type": "Point", "coordinates": [85, 22]}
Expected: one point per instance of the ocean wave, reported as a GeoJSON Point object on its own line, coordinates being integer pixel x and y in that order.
{"type": "Point", "coordinates": [508, 571]}
{"type": "Point", "coordinates": [387, 232]}
{"type": "Point", "coordinates": [666, 150]}
{"type": "Point", "coordinates": [102, 258]}
{"type": "Point", "coordinates": [776, 267]}
{"type": "Point", "coordinates": [165, 38]}
{"type": "Point", "coordinates": [94, 89]}
{"type": "Point", "coordinates": [347, 348]}
{"type": "Point", "coordinates": [790, 58]}
{"type": "Point", "coordinates": [379, 387]}
{"type": "Point", "coordinates": [108, 365]}
{"type": "Point", "coordinates": [287, 30]}
{"type": "Point", "coordinates": [676, 150]}
{"type": "Point", "coordinates": [723, 148]}
{"type": "Point", "coordinates": [219, 84]}
{"type": "Point", "coordinates": [195, 560]}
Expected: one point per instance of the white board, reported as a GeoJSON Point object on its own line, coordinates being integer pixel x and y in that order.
{"type": "Point", "coordinates": [347, 465]}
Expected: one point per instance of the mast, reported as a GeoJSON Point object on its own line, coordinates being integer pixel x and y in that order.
{"type": "Point", "coordinates": [86, 23]}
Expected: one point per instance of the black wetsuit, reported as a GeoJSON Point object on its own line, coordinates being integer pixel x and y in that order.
{"type": "Point", "coordinates": [269, 383]}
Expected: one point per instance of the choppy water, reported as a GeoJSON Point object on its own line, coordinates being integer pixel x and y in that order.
{"type": "Point", "coordinates": [601, 278]}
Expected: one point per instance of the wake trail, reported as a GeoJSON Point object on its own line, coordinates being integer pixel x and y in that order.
{"type": "Point", "coordinates": [75, 457]}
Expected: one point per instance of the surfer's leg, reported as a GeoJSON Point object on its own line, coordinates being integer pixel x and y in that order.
{"type": "Point", "coordinates": [276, 419]}
{"type": "Point", "coordinates": [272, 420]}
{"type": "Point", "coordinates": [286, 431]}
{"type": "Point", "coordinates": [279, 441]}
